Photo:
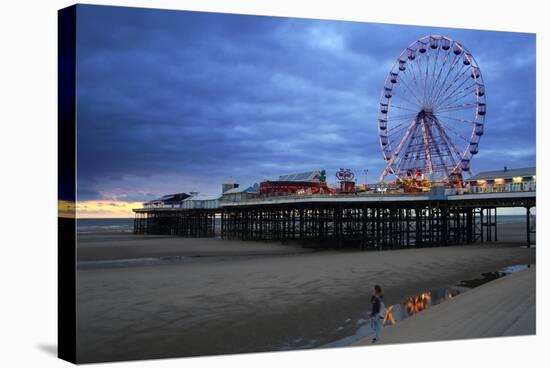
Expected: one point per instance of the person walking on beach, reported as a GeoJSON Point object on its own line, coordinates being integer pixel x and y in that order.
{"type": "Point", "coordinates": [378, 312]}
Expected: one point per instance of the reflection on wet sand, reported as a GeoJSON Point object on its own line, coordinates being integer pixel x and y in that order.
{"type": "Point", "coordinates": [417, 303]}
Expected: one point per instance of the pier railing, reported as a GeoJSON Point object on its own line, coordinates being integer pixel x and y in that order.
{"type": "Point", "coordinates": [275, 198]}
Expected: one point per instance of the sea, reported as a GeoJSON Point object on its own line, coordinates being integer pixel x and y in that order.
{"type": "Point", "coordinates": [126, 225]}
{"type": "Point", "coordinates": [99, 225]}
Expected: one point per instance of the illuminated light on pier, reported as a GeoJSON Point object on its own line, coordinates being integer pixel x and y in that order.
{"type": "Point", "coordinates": [517, 179]}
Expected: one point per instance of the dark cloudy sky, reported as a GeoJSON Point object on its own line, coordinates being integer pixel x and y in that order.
{"type": "Point", "coordinates": [173, 101]}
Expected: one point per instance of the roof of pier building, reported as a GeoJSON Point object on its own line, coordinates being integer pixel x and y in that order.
{"type": "Point", "coordinates": [171, 198]}
{"type": "Point", "coordinates": [241, 190]}
{"type": "Point", "coordinates": [305, 176]}
{"type": "Point", "coordinates": [204, 197]}
{"type": "Point", "coordinates": [505, 174]}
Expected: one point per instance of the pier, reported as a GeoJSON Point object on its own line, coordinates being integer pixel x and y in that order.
{"type": "Point", "coordinates": [367, 221]}
{"type": "Point", "coordinates": [193, 223]}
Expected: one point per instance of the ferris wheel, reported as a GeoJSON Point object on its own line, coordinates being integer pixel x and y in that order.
{"type": "Point", "coordinates": [432, 111]}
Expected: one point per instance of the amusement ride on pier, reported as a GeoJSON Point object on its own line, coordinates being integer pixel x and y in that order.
{"type": "Point", "coordinates": [431, 113]}
{"type": "Point", "coordinates": [431, 118]}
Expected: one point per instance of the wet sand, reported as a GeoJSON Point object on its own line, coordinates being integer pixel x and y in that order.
{"type": "Point", "coordinates": [282, 297]}
{"type": "Point", "coordinates": [504, 307]}
{"type": "Point", "coordinates": [112, 246]}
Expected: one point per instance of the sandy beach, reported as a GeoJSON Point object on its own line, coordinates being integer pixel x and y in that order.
{"type": "Point", "coordinates": [503, 307]}
{"type": "Point", "coordinates": [113, 246]}
{"type": "Point", "coordinates": [252, 296]}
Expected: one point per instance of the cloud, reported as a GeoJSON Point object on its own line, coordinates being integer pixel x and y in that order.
{"type": "Point", "coordinates": [181, 101]}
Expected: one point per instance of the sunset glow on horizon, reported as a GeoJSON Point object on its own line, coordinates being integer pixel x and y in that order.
{"type": "Point", "coordinates": [98, 209]}
{"type": "Point", "coordinates": [106, 209]}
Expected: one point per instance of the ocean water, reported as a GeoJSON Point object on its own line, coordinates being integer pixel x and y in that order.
{"type": "Point", "coordinates": [122, 225]}
{"type": "Point", "coordinates": [512, 219]}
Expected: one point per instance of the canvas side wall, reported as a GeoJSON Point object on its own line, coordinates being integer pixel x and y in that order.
{"type": "Point", "coordinates": [66, 243]}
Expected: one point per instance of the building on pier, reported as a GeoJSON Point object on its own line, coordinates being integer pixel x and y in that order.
{"type": "Point", "coordinates": [506, 180]}
{"type": "Point", "coordinates": [201, 201]}
{"type": "Point", "coordinates": [240, 194]}
{"type": "Point", "coordinates": [311, 182]}
{"type": "Point", "coordinates": [228, 185]}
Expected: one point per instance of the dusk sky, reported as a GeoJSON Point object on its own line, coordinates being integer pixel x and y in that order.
{"type": "Point", "coordinates": [174, 101]}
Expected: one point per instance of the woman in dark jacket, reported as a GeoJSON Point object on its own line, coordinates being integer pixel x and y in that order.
{"type": "Point", "coordinates": [376, 313]}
